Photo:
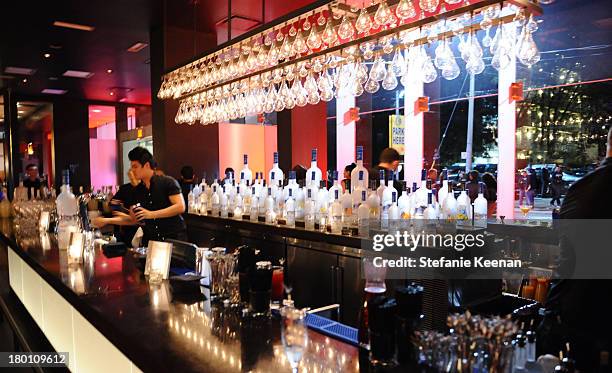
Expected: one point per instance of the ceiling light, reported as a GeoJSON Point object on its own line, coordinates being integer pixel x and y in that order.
{"type": "Point", "coordinates": [137, 47]}
{"type": "Point", "coordinates": [97, 110]}
{"type": "Point", "coordinates": [53, 78]}
{"type": "Point", "coordinates": [52, 91]}
{"type": "Point", "coordinates": [112, 93]}
{"type": "Point", "coordinates": [73, 26]}
{"type": "Point", "coordinates": [78, 74]}
{"type": "Point", "coordinates": [47, 55]}
{"type": "Point", "coordinates": [25, 80]}
{"type": "Point", "coordinates": [21, 111]}
{"type": "Point", "coordinates": [109, 71]}
{"type": "Point", "coordinates": [19, 70]}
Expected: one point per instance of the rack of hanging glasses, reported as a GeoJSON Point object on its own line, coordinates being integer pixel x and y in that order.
{"type": "Point", "coordinates": [337, 49]}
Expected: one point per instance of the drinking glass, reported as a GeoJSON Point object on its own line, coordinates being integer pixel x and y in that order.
{"type": "Point", "coordinates": [525, 208]}
{"type": "Point", "coordinates": [294, 335]}
{"type": "Point", "coordinates": [374, 276]}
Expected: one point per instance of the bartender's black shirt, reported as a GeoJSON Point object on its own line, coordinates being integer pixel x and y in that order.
{"type": "Point", "coordinates": [125, 194]}
{"type": "Point", "coordinates": [33, 187]}
{"type": "Point", "coordinates": [157, 197]}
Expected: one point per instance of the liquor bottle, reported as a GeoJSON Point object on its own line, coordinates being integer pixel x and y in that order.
{"type": "Point", "coordinates": [322, 207]}
{"type": "Point", "coordinates": [336, 214]}
{"type": "Point", "coordinates": [314, 170]}
{"type": "Point", "coordinates": [269, 208]}
{"type": "Point", "coordinates": [363, 216]}
{"type": "Point", "coordinates": [531, 346]}
{"type": "Point", "coordinates": [430, 211]}
{"type": "Point", "coordinates": [247, 199]}
{"type": "Point", "coordinates": [381, 185]}
{"type": "Point", "coordinates": [347, 209]}
{"type": "Point", "coordinates": [257, 184]}
{"type": "Point", "coordinates": [215, 202]}
{"type": "Point", "coordinates": [520, 353]}
{"type": "Point", "coordinates": [190, 200]}
{"type": "Point", "coordinates": [279, 198]}
{"type": "Point", "coordinates": [299, 204]}
{"type": "Point", "coordinates": [421, 196]}
{"type": "Point", "coordinates": [393, 213]}
{"type": "Point", "coordinates": [403, 203]}
{"type": "Point", "coordinates": [387, 200]}
{"type": "Point", "coordinates": [245, 173]}
{"type": "Point", "coordinates": [276, 173]}
{"type": "Point", "coordinates": [309, 210]}
{"type": "Point", "coordinates": [336, 186]}
{"type": "Point", "coordinates": [237, 204]}
{"type": "Point", "coordinates": [224, 204]}
{"type": "Point", "coordinates": [290, 210]}
{"type": "Point", "coordinates": [443, 191]}
{"type": "Point", "coordinates": [464, 207]}
{"type": "Point", "coordinates": [374, 205]}
{"type": "Point", "coordinates": [356, 191]}
{"type": "Point", "coordinates": [450, 205]}
{"type": "Point", "coordinates": [480, 206]}
{"type": "Point", "coordinates": [292, 186]}
{"type": "Point", "coordinates": [356, 180]}
{"type": "Point", "coordinates": [263, 194]}
{"type": "Point", "coordinates": [254, 208]}
{"type": "Point", "coordinates": [67, 212]}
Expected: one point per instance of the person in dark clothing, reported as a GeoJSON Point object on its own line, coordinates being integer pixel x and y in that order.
{"type": "Point", "coordinates": [533, 186]}
{"type": "Point", "coordinates": [120, 205]}
{"type": "Point", "coordinates": [556, 189]}
{"type": "Point", "coordinates": [346, 180]}
{"type": "Point", "coordinates": [32, 181]}
{"type": "Point", "coordinates": [544, 181]}
{"type": "Point", "coordinates": [523, 185]}
{"type": "Point", "coordinates": [568, 300]}
{"type": "Point", "coordinates": [300, 174]}
{"type": "Point", "coordinates": [187, 181]}
{"type": "Point", "coordinates": [489, 180]}
{"type": "Point", "coordinates": [160, 199]}
{"type": "Point", "coordinates": [229, 175]}
{"type": "Point", "coordinates": [473, 186]}
{"type": "Point", "coordinates": [389, 162]}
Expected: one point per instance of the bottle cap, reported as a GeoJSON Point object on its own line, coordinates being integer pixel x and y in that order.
{"type": "Point", "coordinates": [313, 154]}
{"type": "Point", "coordinates": [292, 175]}
{"type": "Point", "coordinates": [275, 157]}
{"type": "Point", "coordinates": [360, 153]}
{"type": "Point", "coordinates": [246, 159]}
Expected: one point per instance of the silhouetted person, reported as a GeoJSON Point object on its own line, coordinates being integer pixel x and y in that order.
{"type": "Point", "coordinates": [32, 181]}
{"type": "Point", "coordinates": [187, 181]}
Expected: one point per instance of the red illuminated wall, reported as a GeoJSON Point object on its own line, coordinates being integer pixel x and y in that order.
{"type": "Point", "coordinates": [309, 130]}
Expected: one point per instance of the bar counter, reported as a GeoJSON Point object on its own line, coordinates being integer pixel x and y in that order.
{"type": "Point", "coordinates": [109, 319]}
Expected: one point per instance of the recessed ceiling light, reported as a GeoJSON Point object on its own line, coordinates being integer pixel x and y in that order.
{"type": "Point", "coordinates": [53, 78]}
{"type": "Point", "coordinates": [112, 93]}
{"type": "Point", "coordinates": [19, 70]}
{"type": "Point", "coordinates": [109, 71]}
{"type": "Point", "coordinates": [47, 55]}
{"type": "Point", "coordinates": [97, 110]}
{"type": "Point", "coordinates": [25, 80]}
{"type": "Point", "coordinates": [78, 74]}
{"type": "Point", "coordinates": [74, 26]}
{"type": "Point", "coordinates": [55, 46]}
{"type": "Point", "coordinates": [20, 111]}
{"type": "Point", "coordinates": [52, 91]}
{"type": "Point", "coordinates": [137, 47]}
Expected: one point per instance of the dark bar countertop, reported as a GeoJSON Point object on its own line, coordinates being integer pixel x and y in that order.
{"type": "Point", "coordinates": [159, 333]}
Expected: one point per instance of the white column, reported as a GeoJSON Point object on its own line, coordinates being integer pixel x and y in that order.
{"type": "Point", "coordinates": [345, 133]}
{"type": "Point", "coordinates": [413, 133]}
{"type": "Point", "coordinates": [506, 133]}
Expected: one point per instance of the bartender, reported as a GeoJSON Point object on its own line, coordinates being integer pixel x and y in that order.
{"type": "Point", "coordinates": [158, 201]}
{"type": "Point", "coordinates": [120, 205]}
{"type": "Point", "coordinates": [389, 161]}
{"type": "Point", "coordinates": [32, 182]}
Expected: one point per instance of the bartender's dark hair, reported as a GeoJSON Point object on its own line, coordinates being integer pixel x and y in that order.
{"type": "Point", "coordinates": [142, 156]}
{"type": "Point", "coordinates": [31, 165]}
{"type": "Point", "coordinates": [389, 155]}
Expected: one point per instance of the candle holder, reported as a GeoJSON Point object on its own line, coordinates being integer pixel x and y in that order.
{"type": "Point", "coordinates": [75, 248]}
{"type": "Point", "coordinates": [157, 266]}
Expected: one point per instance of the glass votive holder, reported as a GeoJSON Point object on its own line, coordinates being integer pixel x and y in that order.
{"type": "Point", "coordinates": [155, 278]}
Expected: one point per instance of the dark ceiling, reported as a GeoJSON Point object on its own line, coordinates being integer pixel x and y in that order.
{"type": "Point", "coordinates": [27, 34]}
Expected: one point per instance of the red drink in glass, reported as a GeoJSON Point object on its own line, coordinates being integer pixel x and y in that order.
{"type": "Point", "coordinates": [278, 279]}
